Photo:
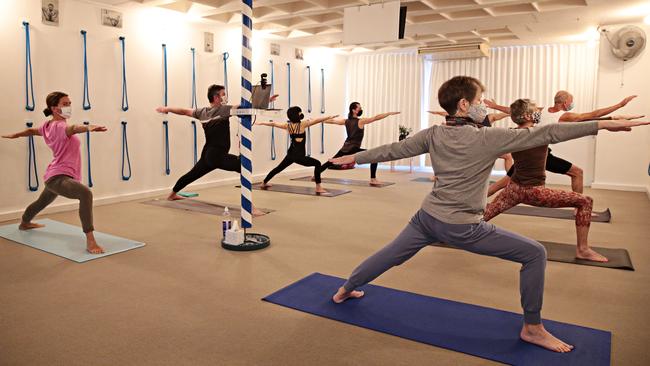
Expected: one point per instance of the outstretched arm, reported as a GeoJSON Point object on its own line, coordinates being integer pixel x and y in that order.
{"type": "Point", "coordinates": [282, 125]}
{"type": "Point", "coordinates": [175, 110]}
{"type": "Point", "coordinates": [416, 145]}
{"type": "Point", "coordinates": [493, 117]}
{"type": "Point", "coordinates": [490, 103]}
{"type": "Point", "coordinates": [581, 117]}
{"type": "Point", "coordinates": [74, 129]}
{"type": "Point", "coordinates": [24, 133]}
{"type": "Point", "coordinates": [513, 140]}
{"type": "Point", "coordinates": [315, 121]}
{"type": "Point", "coordinates": [439, 113]}
{"type": "Point", "coordinates": [337, 121]}
{"type": "Point", "coordinates": [365, 121]}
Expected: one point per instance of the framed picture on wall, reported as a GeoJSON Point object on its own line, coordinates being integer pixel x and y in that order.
{"type": "Point", "coordinates": [299, 54]}
{"type": "Point", "coordinates": [275, 49]}
{"type": "Point", "coordinates": [208, 40]}
{"type": "Point", "coordinates": [111, 18]}
{"type": "Point", "coordinates": [50, 12]}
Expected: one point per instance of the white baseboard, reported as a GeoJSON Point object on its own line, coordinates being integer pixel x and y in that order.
{"type": "Point", "coordinates": [619, 187]}
{"type": "Point", "coordinates": [70, 206]}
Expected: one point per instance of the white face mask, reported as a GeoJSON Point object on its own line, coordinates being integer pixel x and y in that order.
{"type": "Point", "coordinates": [66, 112]}
{"type": "Point", "coordinates": [477, 112]}
{"type": "Point", "coordinates": [224, 100]}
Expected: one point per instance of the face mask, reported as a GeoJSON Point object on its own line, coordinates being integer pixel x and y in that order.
{"type": "Point", "coordinates": [477, 112]}
{"type": "Point", "coordinates": [537, 117]}
{"type": "Point", "coordinates": [570, 107]}
{"type": "Point", "coordinates": [66, 112]}
{"type": "Point", "coordinates": [360, 113]}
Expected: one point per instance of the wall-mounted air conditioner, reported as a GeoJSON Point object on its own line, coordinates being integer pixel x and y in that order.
{"type": "Point", "coordinates": [456, 51]}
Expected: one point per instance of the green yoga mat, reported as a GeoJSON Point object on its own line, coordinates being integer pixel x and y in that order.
{"type": "Point", "coordinates": [66, 241]}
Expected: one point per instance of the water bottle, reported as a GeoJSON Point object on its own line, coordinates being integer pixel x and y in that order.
{"type": "Point", "coordinates": [226, 223]}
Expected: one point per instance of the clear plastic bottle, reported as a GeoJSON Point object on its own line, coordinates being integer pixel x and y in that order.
{"type": "Point", "coordinates": [226, 222]}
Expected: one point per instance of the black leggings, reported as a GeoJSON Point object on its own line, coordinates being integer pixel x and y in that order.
{"type": "Point", "coordinates": [298, 159]}
{"type": "Point", "coordinates": [373, 166]}
{"type": "Point", "coordinates": [209, 161]}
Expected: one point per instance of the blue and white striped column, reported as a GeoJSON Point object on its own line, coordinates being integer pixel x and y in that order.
{"type": "Point", "coordinates": [246, 131]}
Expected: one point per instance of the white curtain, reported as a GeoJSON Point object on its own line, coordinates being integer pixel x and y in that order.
{"type": "Point", "coordinates": [386, 82]}
{"type": "Point", "coordinates": [535, 72]}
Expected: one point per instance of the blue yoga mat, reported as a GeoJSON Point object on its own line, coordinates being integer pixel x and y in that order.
{"type": "Point", "coordinates": [66, 241]}
{"type": "Point", "coordinates": [471, 329]}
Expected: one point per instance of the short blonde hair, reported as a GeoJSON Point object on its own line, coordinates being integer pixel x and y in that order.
{"type": "Point", "coordinates": [561, 97]}
{"type": "Point", "coordinates": [521, 107]}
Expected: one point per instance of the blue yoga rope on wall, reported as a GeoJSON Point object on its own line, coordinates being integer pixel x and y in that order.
{"type": "Point", "coordinates": [195, 142]}
{"type": "Point", "coordinates": [308, 109]}
{"type": "Point", "coordinates": [273, 155]}
{"type": "Point", "coordinates": [125, 153]}
{"type": "Point", "coordinates": [164, 48]}
{"type": "Point", "coordinates": [29, 82]}
{"type": "Point", "coordinates": [166, 128]}
{"type": "Point", "coordinates": [125, 96]}
{"type": "Point", "coordinates": [86, 95]}
{"type": "Point", "coordinates": [226, 55]}
{"type": "Point", "coordinates": [194, 105]}
{"type": "Point", "coordinates": [322, 110]}
{"type": "Point", "coordinates": [288, 98]}
{"type": "Point", "coordinates": [31, 164]}
{"type": "Point", "coordinates": [90, 174]}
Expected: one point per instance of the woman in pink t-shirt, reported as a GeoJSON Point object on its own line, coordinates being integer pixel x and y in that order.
{"type": "Point", "coordinates": [63, 174]}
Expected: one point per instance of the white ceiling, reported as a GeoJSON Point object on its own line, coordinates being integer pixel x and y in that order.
{"type": "Point", "coordinates": [429, 22]}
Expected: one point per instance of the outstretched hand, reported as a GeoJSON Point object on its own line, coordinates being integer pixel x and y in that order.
{"type": "Point", "coordinates": [439, 113]}
{"type": "Point", "coordinates": [343, 160]}
{"type": "Point", "coordinates": [490, 103]}
{"type": "Point", "coordinates": [274, 97]}
{"type": "Point", "coordinates": [628, 116]}
{"type": "Point", "coordinates": [162, 110]}
{"type": "Point", "coordinates": [623, 125]}
{"type": "Point", "coordinates": [11, 136]}
{"type": "Point", "coordinates": [625, 101]}
{"type": "Point", "coordinates": [94, 128]}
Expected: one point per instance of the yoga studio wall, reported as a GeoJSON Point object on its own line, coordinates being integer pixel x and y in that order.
{"type": "Point", "coordinates": [57, 64]}
{"type": "Point", "coordinates": [616, 81]}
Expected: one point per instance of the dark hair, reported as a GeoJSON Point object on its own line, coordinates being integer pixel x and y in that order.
{"type": "Point", "coordinates": [294, 113]}
{"type": "Point", "coordinates": [353, 106]}
{"type": "Point", "coordinates": [457, 88]}
{"type": "Point", "coordinates": [213, 90]}
{"type": "Point", "coordinates": [519, 108]}
{"type": "Point", "coordinates": [52, 100]}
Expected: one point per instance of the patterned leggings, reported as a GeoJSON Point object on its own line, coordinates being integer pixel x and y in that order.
{"type": "Point", "coordinates": [540, 196]}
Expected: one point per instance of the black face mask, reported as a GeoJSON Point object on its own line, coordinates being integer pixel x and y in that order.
{"type": "Point", "coordinates": [360, 113]}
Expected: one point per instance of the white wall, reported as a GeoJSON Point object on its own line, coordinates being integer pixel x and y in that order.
{"type": "Point", "coordinates": [57, 63]}
{"type": "Point", "coordinates": [622, 158]}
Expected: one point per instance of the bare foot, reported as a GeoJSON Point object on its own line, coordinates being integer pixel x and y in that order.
{"type": "Point", "coordinates": [29, 226]}
{"type": "Point", "coordinates": [266, 185]}
{"type": "Point", "coordinates": [320, 189]}
{"type": "Point", "coordinates": [590, 255]}
{"type": "Point", "coordinates": [433, 178]}
{"type": "Point", "coordinates": [375, 182]}
{"type": "Point", "coordinates": [174, 197]}
{"type": "Point", "coordinates": [93, 248]}
{"type": "Point", "coordinates": [537, 335]}
{"type": "Point", "coordinates": [257, 212]}
{"type": "Point", "coordinates": [342, 295]}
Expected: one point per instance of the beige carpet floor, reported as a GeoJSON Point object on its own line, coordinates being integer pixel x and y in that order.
{"type": "Point", "coordinates": [182, 300]}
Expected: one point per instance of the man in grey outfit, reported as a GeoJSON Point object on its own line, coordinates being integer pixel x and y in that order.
{"type": "Point", "coordinates": [462, 155]}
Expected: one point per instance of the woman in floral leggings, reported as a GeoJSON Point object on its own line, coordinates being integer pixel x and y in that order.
{"type": "Point", "coordinates": [527, 185]}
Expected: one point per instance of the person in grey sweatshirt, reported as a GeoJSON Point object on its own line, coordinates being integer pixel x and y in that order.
{"type": "Point", "coordinates": [462, 155]}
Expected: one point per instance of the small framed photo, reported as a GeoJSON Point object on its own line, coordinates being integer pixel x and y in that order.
{"type": "Point", "coordinates": [50, 12]}
{"type": "Point", "coordinates": [111, 18]}
{"type": "Point", "coordinates": [299, 55]}
{"type": "Point", "coordinates": [208, 40]}
{"type": "Point", "coordinates": [275, 49]}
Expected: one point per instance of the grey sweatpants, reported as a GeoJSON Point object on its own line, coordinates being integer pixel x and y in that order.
{"type": "Point", "coordinates": [66, 187]}
{"type": "Point", "coordinates": [482, 238]}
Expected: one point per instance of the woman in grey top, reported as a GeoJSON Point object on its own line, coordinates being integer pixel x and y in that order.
{"type": "Point", "coordinates": [462, 154]}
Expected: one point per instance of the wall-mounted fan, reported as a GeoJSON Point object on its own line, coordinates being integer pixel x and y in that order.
{"type": "Point", "coordinates": [627, 42]}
